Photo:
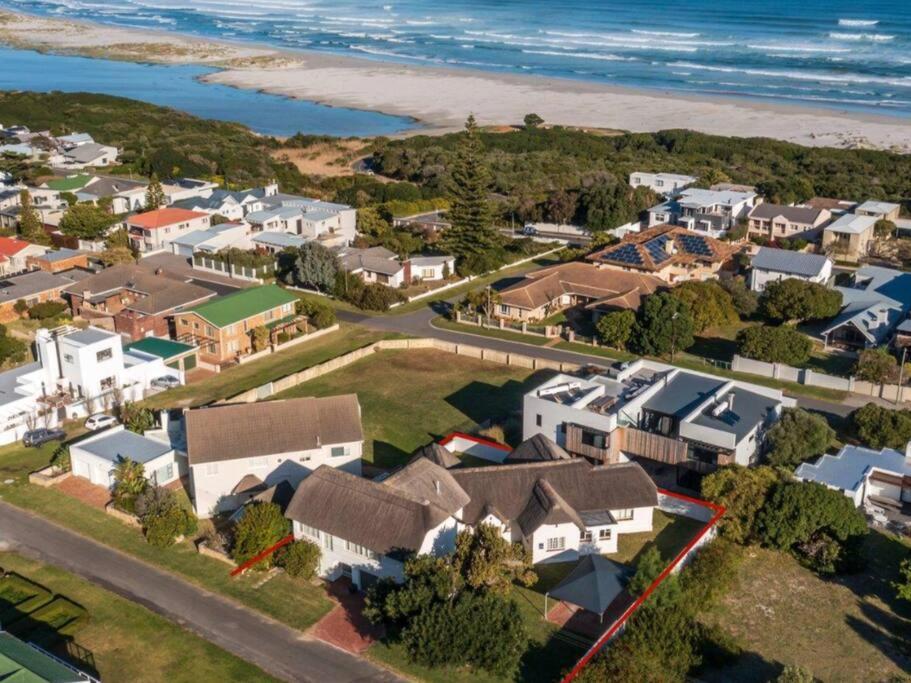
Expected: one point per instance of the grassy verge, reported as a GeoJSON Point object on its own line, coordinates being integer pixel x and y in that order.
{"type": "Point", "coordinates": [852, 628]}
{"type": "Point", "coordinates": [130, 643]}
{"type": "Point", "coordinates": [445, 323]}
{"type": "Point", "coordinates": [409, 398]}
{"type": "Point", "coordinates": [295, 603]}
{"type": "Point", "coordinates": [243, 377]}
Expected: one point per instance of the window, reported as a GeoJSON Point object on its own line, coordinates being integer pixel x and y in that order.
{"type": "Point", "coordinates": [586, 537]}
{"type": "Point", "coordinates": [107, 383]}
{"type": "Point", "coordinates": [260, 461]}
{"type": "Point", "coordinates": [623, 515]}
{"type": "Point", "coordinates": [427, 273]}
{"type": "Point", "coordinates": [104, 354]}
{"type": "Point", "coordinates": [210, 331]}
{"type": "Point", "coordinates": [310, 531]}
{"type": "Point", "coordinates": [303, 458]}
{"type": "Point", "coordinates": [504, 309]}
{"type": "Point", "coordinates": [594, 439]}
{"type": "Point", "coordinates": [327, 541]}
{"type": "Point", "coordinates": [360, 550]}
{"type": "Point", "coordinates": [339, 451]}
{"type": "Point", "coordinates": [554, 544]}
{"type": "Point", "coordinates": [538, 420]}
{"type": "Point", "coordinates": [604, 534]}
{"type": "Point", "coordinates": [211, 468]}
{"type": "Point", "coordinates": [68, 357]}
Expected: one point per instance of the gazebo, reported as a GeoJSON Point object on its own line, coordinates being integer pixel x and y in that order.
{"type": "Point", "coordinates": [593, 584]}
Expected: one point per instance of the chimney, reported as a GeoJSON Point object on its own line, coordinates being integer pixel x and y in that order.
{"type": "Point", "coordinates": [908, 454]}
{"type": "Point", "coordinates": [669, 246]}
{"type": "Point", "coordinates": [436, 486]}
{"type": "Point", "coordinates": [159, 271]}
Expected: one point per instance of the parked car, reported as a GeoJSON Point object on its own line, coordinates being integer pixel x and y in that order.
{"type": "Point", "coordinates": [166, 382]}
{"type": "Point", "coordinates": [35, 437]}
{"type": "Point", "coordinates": [529, 230]}
{"type": "Point", "coordinates": [100, 421]}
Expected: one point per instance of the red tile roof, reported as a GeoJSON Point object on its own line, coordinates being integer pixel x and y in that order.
{"type": "Point", "coordinates": [160, 218]}
{"type": "Point", "coordinates": [10, 246]}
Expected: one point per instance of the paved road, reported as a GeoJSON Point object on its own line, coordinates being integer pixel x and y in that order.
{"type": "Point", "coordinates": [277, 649]}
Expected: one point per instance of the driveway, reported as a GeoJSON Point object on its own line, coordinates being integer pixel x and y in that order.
{"type": "Point", "coordinates": [277, 649]}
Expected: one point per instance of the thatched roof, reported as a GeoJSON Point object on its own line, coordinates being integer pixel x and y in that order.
{"type": "Point", "coordinates": [546, 506]}
{"type": "Point", "coordinates": [436, 454]}
{"type": "Point", "coordinates": [248, 484]}
{"type": "Point", "coordinates": [425, 480]}
{"type": "Point", "coordinates": [538, 448]}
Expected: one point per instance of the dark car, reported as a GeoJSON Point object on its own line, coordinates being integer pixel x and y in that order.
{"type": "Point", "coordinates": [36, 437]}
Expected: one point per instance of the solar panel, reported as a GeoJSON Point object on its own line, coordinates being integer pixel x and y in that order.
{"type": "Point", "coordinates": [626, 253]}
{"type": "Point", "coordinates": [695, 244]}
{"type": "Point", "coordinates": [656, 248]}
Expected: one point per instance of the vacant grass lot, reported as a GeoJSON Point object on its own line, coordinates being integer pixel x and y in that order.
{"type": "Point", "coordinates": [243, 377]}
{"type": "Point", "coordinates": [409, 398]}
{"type": "Point", "coordinates": [848, 629]}
{"type": "Point", "coordinates": [130, 643]}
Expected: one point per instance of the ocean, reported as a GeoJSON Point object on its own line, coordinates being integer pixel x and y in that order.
{"type": "Point", "coordinates": [839, 54]}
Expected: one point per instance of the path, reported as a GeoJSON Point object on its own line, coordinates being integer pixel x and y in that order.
{"type": "Point", "coordinates": [277, 649]}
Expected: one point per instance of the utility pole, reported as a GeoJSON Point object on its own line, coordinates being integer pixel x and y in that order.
{"type": "Point", "coordinates": [674, 335]}
{"type": "Point", "coordinates": [901, 370]}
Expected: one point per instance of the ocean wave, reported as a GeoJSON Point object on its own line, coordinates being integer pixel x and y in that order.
{"type": "Point", "coordinates": [903, 82]}
{"type": "Point", "coordinates": [674, 34]}
{"type": "Point", "coordinates": [799, 48]}
{"type": "Point", "coordinates": [858, 22]}
{"type": "Point", "coordinates": [581, 55]}
{"type": "Point", "coordinates": [875, 37]}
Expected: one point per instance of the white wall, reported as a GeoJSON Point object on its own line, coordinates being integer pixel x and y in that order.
{"type": "Point", "coordinates": [100, 471]}
{"type": "Point", "coordinates": [212, 483]}
{"type": "Point", "coordinates": [760, 278]}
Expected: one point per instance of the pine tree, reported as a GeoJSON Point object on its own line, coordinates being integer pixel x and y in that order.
{"type": "Point", "coordinates": [472, 232]}
{"type": "Point", "coordinates": [154, 194]}
{"type": "Point", "coordinates": [30, 227]}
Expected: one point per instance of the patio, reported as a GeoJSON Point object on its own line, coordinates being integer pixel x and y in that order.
{"type": "Point", "coordinates": [345, 626]}
{"type": "Point", "coordinates": [85, 492]}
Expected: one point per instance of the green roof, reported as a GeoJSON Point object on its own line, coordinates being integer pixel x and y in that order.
{"type": "Point", "coordinates": [163, 348]}
{"type": "Point", "coordinates": [70, 183]}
{"type": "Point", "coordinates": [227, 310]}
{"type": "Point", "coordinates": [23, 664]}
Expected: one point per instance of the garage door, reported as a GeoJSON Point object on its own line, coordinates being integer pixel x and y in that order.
{"type": "Point", "coordinates": [189, 362]}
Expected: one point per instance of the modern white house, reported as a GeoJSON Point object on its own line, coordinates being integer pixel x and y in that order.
{"type": "Point", "coordinates": [237, 451]}
{"type": "Point", "coordinates": [657, 413]}
{"type": "Point", "coordinates": [772, 265]}
{"type": "Point", "coordinates": [95, 457]}
{"type": "Point", "coordinates": [155, 230]}
{"type": "Point", "coordinates": [78, 372]}
{"type": "Point", "coordinates": [710, 211]}
{"type": "Point", "coordinates": [212, 239]}
{"type": "Point", "coordinates": [89, 154]}
{"type": "Point", "coordinates": [662, 183]}
{"type": "Point", "coordinates": [335, 225]}
{"type": "Point", "coordinates": [178, 189]}
{"type": "Point", "coordinates": [558, 510]}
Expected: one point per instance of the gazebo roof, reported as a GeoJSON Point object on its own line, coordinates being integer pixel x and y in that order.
{"type": "Point", "coordinates": [593, 584]}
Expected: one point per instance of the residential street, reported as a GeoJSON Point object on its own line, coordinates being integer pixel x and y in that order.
{"type": "Point", "coordinates": [281, 651]}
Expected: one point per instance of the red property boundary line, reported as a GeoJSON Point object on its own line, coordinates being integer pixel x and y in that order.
{"type": "Point", "coordinates": [240, 569]}
{"type": "Point", "coordinates": [718, 511]}
{"type": "Point", "coordinates": [449, 438]}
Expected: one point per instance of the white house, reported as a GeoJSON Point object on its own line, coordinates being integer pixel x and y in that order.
{"type": "Point", "coordinates": [89, 154]}
{"type": "Point", "coordinates": [772, 265]}
{"type": "Point", "coordinates": [233, 205]}
{"type": "Point", "coordinates": [711, 211]}
{"type": "Point", "coordinates": [178, 189]}
{"type": "Point", "coordinates": [14, 254]}
{"type": "Point", "coordinates": [213, 239]}
{"type": "Point", "coordinates": [236, 451]}
{"type": "Point", "coordinates": [373, 264]}
{"type": "Point", "coordinates": [95, 457]}
{"type": "Point", "coordinates": [154, 230]}
{"type": "Point", "coordinates": [662, 183]}
{"type": "Point", "coordinates": [430, 268]}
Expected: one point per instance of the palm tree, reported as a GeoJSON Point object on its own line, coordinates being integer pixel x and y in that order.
{"type": "Point", "coordinates": [129, 481]}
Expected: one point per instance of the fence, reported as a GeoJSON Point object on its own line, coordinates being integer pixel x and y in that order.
{"type": "Point", "coordinates": [548, 331]}
{"type": "Point", "coordinates": [274, 348]}
{"type": "Point", "coordinates": [277, 386]}
{"type": "Point", "coordinates": [805, 376]}
{"type": "Point", "coordinates": [674, 503]}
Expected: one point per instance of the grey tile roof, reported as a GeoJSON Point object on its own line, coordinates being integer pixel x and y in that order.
{"type": "Point", "coordinates": [124, 444]}
{"type": "Point", "coordinates": [789, 262]}
{"type": "Point", "coordinates": [795, 214]}
{"type": "Point", "coordinates": [29, 284]}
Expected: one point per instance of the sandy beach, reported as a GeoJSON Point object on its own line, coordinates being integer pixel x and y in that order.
{"type": "Point", "coordinates": [442, 98]}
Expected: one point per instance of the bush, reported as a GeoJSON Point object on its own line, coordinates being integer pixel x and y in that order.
{"type": "Point", "coordinates": [615, 328]}
{"type": "Point", "coordinates": [793, 299]}
{"type": "Point", "coordinates": [745, 300]}
{"type": "Point", "coordinates": [61, 458]}
{"type": "Point", "coordinates": [163, 518]}
{"type": "Point", "coordinates": [876, 365]}
{"type": "Point", "coordinates": [648, 568]}
{"type": "Point", "coordinates": [136, 418]}
{"type": "Point", "coordinates": [881, 427]}
{"type": "Point", "coordinates": [320, 314]}
{"type": "Point", "coordinates": [774, 344]}
{"type": "Point", "coordinates": [709, 304]}
{"type": "Point", "coordinates": [796, 437]}
{"type": "Point", "coordinates": [47, 309]}
{"type": "Point", "coordinates": [299, 559]}
{"type": "Point", "coordinates": [377, 297]}
{"type": "Point", "coordinates": [663, 325]}
{"type": "Point", "coordinates": [743, 492]}
{"type": "Point", "coordinates": [261, 527]}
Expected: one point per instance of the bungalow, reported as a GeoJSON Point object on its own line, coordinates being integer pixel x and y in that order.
{"type": "Point", "coordinates": [776, 222]}
{"type": "Point", "coordinates": [373, 264]}
{"type": "Point", "coordinates": [14, 254]}
{"type": "Point", "coordinates": [667, 252]}
{"type": "Point", "coordinates": [557, 510]}
{"type": "Point", "coordinates": [58, 261]}
{"type": "Point", "coordinates": [90, 154]}
{"type": "Point", "coordinates": [212, 239]}
{"type": "Point", "coordinates": [223, 328]}
{"type": "Point", "coordinates": [96, 456]}
{"type": "Point", "coordinates": [772, 265]}
{"type": "Point", "coordinates": [154, 230]}
{"type": "Point", "coordinates": [275, 242]}
{"type": "Point", "coordinates": [125, 195]}
{"type": "Point", "coordinates": [430, 268]}
{"type": "Point", "coordinates": [879, 210]}
{"type": "Point", "coordinates": [237, 451]}
{"type": "Point", "coordinates": [33, 288]}
{"type": "Point", "coordinates": [849, 237]}
{"type": "Point", "coordinates": [662, 183]}
{"type": "Point", "coordinates": [874, 304]}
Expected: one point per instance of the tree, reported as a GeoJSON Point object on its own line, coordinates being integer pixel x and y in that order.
{"type": "Point", "coordinates": [163, 519]}
{"type": "Point", "coordinates": [427, 579]}
{"type": "Point", "coordinates": [663, 325]}
{"type": "Point", "coordinates": [561, 207]}
{"type": "Point", "coordinates": [648, 568]}
{"type": "Point", "coordinates": [745, 300]}
{"type": "Point", "coordinates": [12, 349]}
{"type": "Point", "coordinates": [743, 492]}
{"type": "Point", "coordinates": [30, 226]}
{"type": "Point", "coordinates": [903, 585]}
{"type": "Point", "coordinates": [472, 232]}
{"type": "Point", "coordinates": [371, 224]}
{"type": "Point", "coordinates": [259, 337]}
{"type": "Point", "coordinates": [136, 418]}
{"type": "Point", "coordinates": [61, 458]}
{"type": "Point", "coordinates": [774, 344]}
{"type": "Point", "coordinates": [615, 328]}
{"type": "Point", "coordinates": [708, 303]}
{"type": "Point", "coordinates": [316, 267]}
{"type": "Point", "coordinates": [116, 255]}
{"type": "Point", "coordinates": [155, 197]}
{"type": "Point", "coordinates": [883, 229]}
{"type": "Point", "coordinates": [86, 221]}
{"type": "Point", "coordinates": [796, 437]}
{"type": "Point", "coordinates": [881, 427]}
{"type": "Point", "coordinates": [129, 482]}
{"type": "Point", "coordinates": [876, 365]}
{"type": "Point", "coordinates": [46, 310]}
{"type": "Point", "coordinates": [377, 297]}
{"type": "Point", "coordinates": [321, 315]}
{"type": "Point", "coordinates": [819, 525]}
{"type": "Point", "coordinates": [796, 300]}
{"type": "Point", "coordinates": [299, 559]}
{"type": "Point", "coordinates": [532, 120]}
{"type": "Point", "coordinates": [261, 526]}
{"type": "Point", "coordinates": [488, 561]}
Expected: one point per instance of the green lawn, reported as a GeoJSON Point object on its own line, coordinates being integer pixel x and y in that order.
{"type": "Point", "coordinates": [409, 398]}
{"type": "Point", "coordinates": [446, 324]}
{"type": "Point", "coordinates": [243, 377]}
{"type": "Point", "coordinates": [849, 629]}
{"type": "Point", "coordinates": [296, 603]}
{"type": "Point", "coordinates": [128, 642]}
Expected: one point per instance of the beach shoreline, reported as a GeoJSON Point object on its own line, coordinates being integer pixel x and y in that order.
{"type": "Point", "coordinates": [439, 99]}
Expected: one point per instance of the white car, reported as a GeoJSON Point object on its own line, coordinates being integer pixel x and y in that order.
{"type": "Point", "coordinates": [100, 421]}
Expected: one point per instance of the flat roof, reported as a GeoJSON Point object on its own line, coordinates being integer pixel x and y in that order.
{"type": "Point", "coordinates": [747, 411]}
{"type": "Point", "coordinates": [124, 444]}
{"type": "Point", "coordinates": [163, 348]}
{"type": "Point", "coordinates": [90, 335]}
{"type": "Point", "coordinates": [846, 471]}
{"type": "Point", "coordinates": [682, 394]}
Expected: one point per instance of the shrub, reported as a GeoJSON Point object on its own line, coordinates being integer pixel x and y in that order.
{"type": "Point", "coordinates": [20, 306]}
{"type": "Point", "coordinates": [663, 325]}
{"type": "Point", "coordinates": [881, 427]}
{"type": "Point", "coordinates": [774, 344]}
{"type": "Point", "coordinates": [261, 527]}
{"type": "Point", "coordinates": [615, 328]}
{"type": "Point", "coordinates": [793, 299]}
{"type": "Point", "coordinates": [163, 518]}
{"type": "Point", "coordinates": [377, 297]}
{"type": "Point", "coordinates": [743, 492]}
{"type": "Point", "coordinates": [61, 458]}
{"type": "Point", "coordinates": [876, 365]}
{"type": "Point", "coordinates": [648, 568]}
{"type": "Point", "coordinates": [320, 314]}
{"type": "Point", "coordinates": [796, 437]}
{"type": "Point", "coordinates": [709, 304]}
{"type": "Point", "coordinates": [299, 559]}
{"type": "Point", "coordinates": [136, 418]}
{"type": "Point", "coordinates": [47, 309]}
{"type": "Point", "coordinates": [745, 300]}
